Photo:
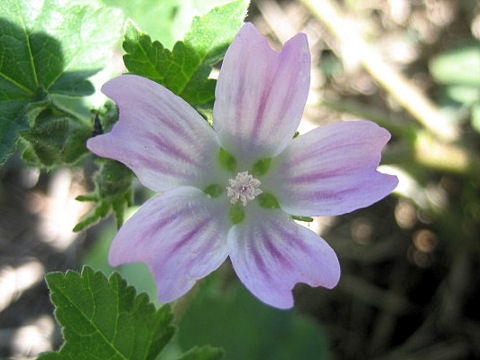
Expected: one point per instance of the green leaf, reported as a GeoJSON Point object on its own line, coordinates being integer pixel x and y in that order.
{"type": "Point", "coordinates": [48, 48]}
{"type": "Point", "coordinates": [224, 313]}
{"type": "Point", "coordinates": [104, 318]}
{"type": "Point", "coordinates": [155, 17]}
{"type": "Point", "coordinates": [458, 66]}
{"type": "Point", "coordinates": [185, 69]}
{"type": "Point", "coordinates": [463, 94]}
{"type": "Point", "coordinates": [54, 138]}
{"type": "Point", "coordinates": [113, 192]}
{"type": "Point", "coordinates": [475, 121]}
{"type": "Point", "coordinates": [203, 353]}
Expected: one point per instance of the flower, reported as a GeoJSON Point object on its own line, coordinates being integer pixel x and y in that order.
{"type": "Point", "coordinates": [230, 190]}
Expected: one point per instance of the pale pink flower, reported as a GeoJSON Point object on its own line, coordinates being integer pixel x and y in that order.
{"type": "Point", "coordinates": [230, 190]}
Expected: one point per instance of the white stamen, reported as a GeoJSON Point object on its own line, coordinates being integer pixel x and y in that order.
{"type": "Point", "coordinates": [244, 188]}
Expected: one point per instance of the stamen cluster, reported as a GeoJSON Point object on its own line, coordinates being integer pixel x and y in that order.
{"type": "Point", "coordinates": [244, 188]}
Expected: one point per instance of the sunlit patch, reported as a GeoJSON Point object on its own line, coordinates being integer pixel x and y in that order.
{"type": "Point", "coordinates": [14, 281]}
{"type": "Point", "coordinates": [60, 211]}
{"type": "Point", "coordinates": [34, 338]}
{"type": "Point", "coordinates": [244, 188]}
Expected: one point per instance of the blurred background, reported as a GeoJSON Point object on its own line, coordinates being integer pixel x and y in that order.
{"type": "Point", "coordinates": [410, 282]}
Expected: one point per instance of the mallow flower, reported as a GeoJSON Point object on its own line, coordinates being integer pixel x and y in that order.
{"type": "Point", "coordinates": [231, 189]}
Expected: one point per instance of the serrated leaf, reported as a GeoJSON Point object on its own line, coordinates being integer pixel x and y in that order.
{"type": "Point", "coordinates": [54, 138]}
{"type": "Point", "coordinates": [105, 319]}
{"type": "Point", "coordinates": [185, 69]}
{"type": "Point", "coordinates": [48, 47]}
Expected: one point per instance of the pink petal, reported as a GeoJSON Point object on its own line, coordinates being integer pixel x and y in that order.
{"type": "Point", "coordinates": [332, 170]}
{"type": "Point", "coordinates": [159, 136]}
{"type": "Point", "coordinates": [261, 94]}
{"type": "Point", "coordinates": [180, 235]}
{"type": "Point", "coordinates": [270, 254]}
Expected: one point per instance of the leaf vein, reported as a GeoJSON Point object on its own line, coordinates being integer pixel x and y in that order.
{"type": "Point", "coordinates": [59, 289]}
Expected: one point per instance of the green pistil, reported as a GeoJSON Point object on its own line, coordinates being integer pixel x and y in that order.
{"type": "Point", "coordinates": [268, 201]}
{"type": "Point", "coordinates": [236, 214]}
{"type": "Point", "coordinates": [261, 167]}
{"type": "Point", "coordinates": [214, 190]}
{"type": "Point", "coordinates": [226, 160]}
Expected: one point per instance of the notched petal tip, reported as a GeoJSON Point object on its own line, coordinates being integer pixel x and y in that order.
{"type": "Point", "coordinates": [261, 94]}
{"type": "Point", "coordinates": [271, 254]}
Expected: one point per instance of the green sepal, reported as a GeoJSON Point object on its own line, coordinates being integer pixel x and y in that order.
{"type": "Point", "coordinates": [113, 193]}
{"type": "Point", "coordinates": [214, 190]}
{"type": "Point", "coordinates": [268, 201]}
{"type": "Point", "coordinates": [109, 116]}
{"type": "Point", "coordinates": [261, 167]}
{"type": "Point", "coordinates": [302, 218]}
{"type": "Point", "coordinates": [236, 214]}
{"type": "Point", "coordinates": [226, 160]}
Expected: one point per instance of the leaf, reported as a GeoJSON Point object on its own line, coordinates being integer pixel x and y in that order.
{"type": "Point", "coordinates": [185, 69]}
{"type": "Point", "coordinates": [113, 192]}
{"type": "Point", "coordinates": [54, 138]}
{"type": "Point", "coordinates": [203, 353]}
{"type": "Point", "coordinates": [458, 66]}
{"type": "Point", "coordinates": [155, 17]}
{"type": "Point", "coordinates": [48, 48]}
{"type": "Point", "coordinates": [105, 319]}
{"type": "Point", "coordinates": [224, 313]}
{"type": "Point", "coordinates": [475, 121]}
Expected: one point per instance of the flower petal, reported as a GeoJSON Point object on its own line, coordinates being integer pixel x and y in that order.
{"type": "Point", "coordinates": [158, 135]}
{"type": "Point", "coordinates": [261, 94]}
{"type": "Point", "coordinates": [332, 170]}
{"type": "Point", "coordinates": [270, 254]}
{"type": "Point", "coordinates": [180, 235]}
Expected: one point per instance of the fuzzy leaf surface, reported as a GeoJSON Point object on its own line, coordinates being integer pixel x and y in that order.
{"type": "Point", "coordinates": [48, 48]}
{"type": "Point", "coordinates": [105, 319]}
{"type": "Point", "coordinates": [113, 192]}
{"type": "Point", "coordinates": [185, 69]}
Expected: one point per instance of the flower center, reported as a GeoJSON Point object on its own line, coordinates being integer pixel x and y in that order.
{"type": "Point", "coordinates": [244, 188]}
